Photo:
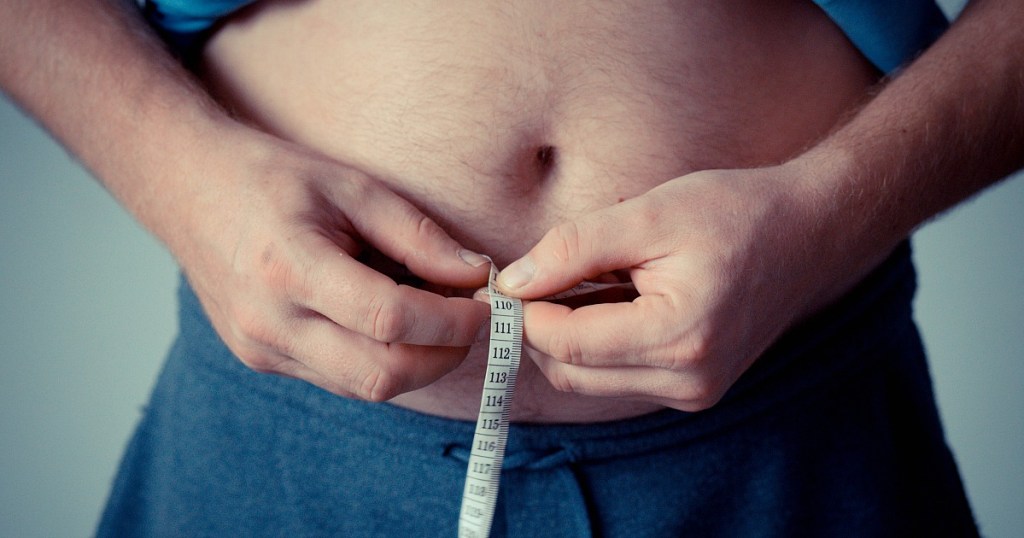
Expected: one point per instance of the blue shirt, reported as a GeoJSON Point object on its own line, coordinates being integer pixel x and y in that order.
{"type": "Point", "coordinates": [889, 33]}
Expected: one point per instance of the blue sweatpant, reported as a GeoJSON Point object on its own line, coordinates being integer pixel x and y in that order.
{"type": "Point", "coordinates": [833, 432]}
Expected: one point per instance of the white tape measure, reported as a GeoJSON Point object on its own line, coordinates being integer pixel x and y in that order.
{"type": "Point", "coordinates": [487, 453]}
{"type": "Point", "coordinates": [483, 474]}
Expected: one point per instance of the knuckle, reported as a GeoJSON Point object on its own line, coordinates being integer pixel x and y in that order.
{"type": "Point", "coordinates": [565, 241]}
{"type": "Point", "coordinates": [690, 353]}
{"type": "Point", "coordinates": [385, 319]}
{"type": "Point", "coordinates": [704, 394]}
{"type": "Point", "coordinates": [255, 341]}
{"type": "Point", "coordinates": [647, 216]}
{"type": "Point", "coordinates": [700, 385]}
{"type": "Point", "coordinates": [698, 392]}
{"type": "Point", "coordinates": [426, 229]}
{"type": "Point", "coordinates": [557, 374]}
{"type": "Point", "coordinates": [258, 341]}
{"type": "Point", "coordinates": [272, 267]}
{"type": "Point", "coordinates": [260, 361]}
{"type": "Point", "coordinates": [356, 187]}
{"type": "Point", "coordinates": [561, 381]}
{"type": "Point", "coordinates": [565, 347]}
{"type": "Point", "coordinates": [251, 327]}
{"type": "Point", "coordinates": [280, 273]}
{"type": "Point", "coordinates": [378, 385]}
{"type": "Point", "coordinates": [447, 334]}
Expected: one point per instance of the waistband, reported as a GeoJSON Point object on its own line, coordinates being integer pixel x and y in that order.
{"type": "Point", "coordinates": [832, 347]}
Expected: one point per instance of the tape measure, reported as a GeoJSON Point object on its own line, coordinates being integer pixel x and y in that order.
{"type": "Point", "coordinates": [483, 473]}
{"type": "Point", "coordinates": [487, 453]}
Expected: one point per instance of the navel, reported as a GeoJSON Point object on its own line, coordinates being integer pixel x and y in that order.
{"type": "Point", "coordinates": [545, 156]}
{"type": "Point", "coordinates": [545, 159]}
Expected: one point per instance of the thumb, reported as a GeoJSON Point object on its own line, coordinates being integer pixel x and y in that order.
{"type": "Point", "coordinates": [574, 251]}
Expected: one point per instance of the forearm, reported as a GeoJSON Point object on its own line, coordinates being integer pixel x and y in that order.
{"type": "Point", "coordinates": [951, 124]}
{"type": "Point", "coordinates": [92, 74]}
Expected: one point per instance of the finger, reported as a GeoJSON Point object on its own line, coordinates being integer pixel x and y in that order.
{"type": "Point", "coordinates": [403, 233]}
{"type": "Point", "coordinates": [297, 370]}
{"type": "Point", "coordinates": [363, 300]}
{"type": "Point", "coordinates": [655, 385]}
{"type": "Point", "coordinates": [272, 357]}
{"type": "Point", "coordinates": [353, 365]}
{"type": "Point", "coordinates": [617, 237]}
{"type": "Point", "coordinates": [648, 331]}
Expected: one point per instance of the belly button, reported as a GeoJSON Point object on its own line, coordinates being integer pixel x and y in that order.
{"type": "Point", "coordinates": [545, 157]}
{"type": "Point", "coordinates": [534, 167]}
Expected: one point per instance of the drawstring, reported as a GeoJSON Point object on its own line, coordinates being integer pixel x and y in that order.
{"type": "Point", "coordinates": [529, 460]}
{"type": "Point", "coordinates": [528, 478]}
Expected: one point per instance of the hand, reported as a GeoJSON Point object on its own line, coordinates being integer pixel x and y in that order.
{"type": "Point", "coordinates": [724, 262]}
{"type": "Point", "coordinates": [271, 251]}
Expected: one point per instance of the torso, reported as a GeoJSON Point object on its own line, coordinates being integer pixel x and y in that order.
{"type": "Point", "coordinates": [502, 119]}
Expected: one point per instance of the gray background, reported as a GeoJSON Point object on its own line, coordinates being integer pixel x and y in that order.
{"type": "Point", "coordinates": [87, 313]}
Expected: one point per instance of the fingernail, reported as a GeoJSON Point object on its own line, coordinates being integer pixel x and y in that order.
{"type": "Point", "coordinates": [517, 275]}
{"type": "Point", "coordinates": [472, 258]}
{"type": "Point", "coordinates": [482, 295]}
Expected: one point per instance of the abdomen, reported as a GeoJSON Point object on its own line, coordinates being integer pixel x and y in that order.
{"type": "Point", "coordinates": [501, 119]}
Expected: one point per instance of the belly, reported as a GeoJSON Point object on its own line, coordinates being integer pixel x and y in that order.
{"type": "Point", "coordinates": [502, 119]}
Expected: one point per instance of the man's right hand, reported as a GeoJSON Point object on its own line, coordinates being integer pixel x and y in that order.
{"type": "Point", "coordinates": [266, 231]}
{"type": "Point", "coordinates": [270, 248]}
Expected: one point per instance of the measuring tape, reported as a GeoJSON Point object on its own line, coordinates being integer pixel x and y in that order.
{"type": "Point", "coordinates": [487, 453]}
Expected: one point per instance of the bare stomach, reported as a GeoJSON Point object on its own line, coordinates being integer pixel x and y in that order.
{"type": "Point", "coordinates": [502, 119]}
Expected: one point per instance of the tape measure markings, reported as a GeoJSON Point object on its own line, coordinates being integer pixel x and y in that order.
{"type": "Point", "coordinates": [487, 453]}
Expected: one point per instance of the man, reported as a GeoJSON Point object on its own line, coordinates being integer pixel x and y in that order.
{"type": "Point", "coordinates": [730, 159]}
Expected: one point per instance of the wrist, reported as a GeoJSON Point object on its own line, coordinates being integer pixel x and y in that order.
{"type": "Point", "coordinates": [179, 174]}
{"type": "Point", "coordinates": [850, 218]}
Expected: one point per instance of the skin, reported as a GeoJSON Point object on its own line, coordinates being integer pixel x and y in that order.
{"type": "Point", "coordinates": [808, 230]}
{"type": "Point", "coordinates": [266, 273]}
{"type": "Point", "coordinates": [269, 219]}
{"type": "Point", "coordinates": [614, 105]}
